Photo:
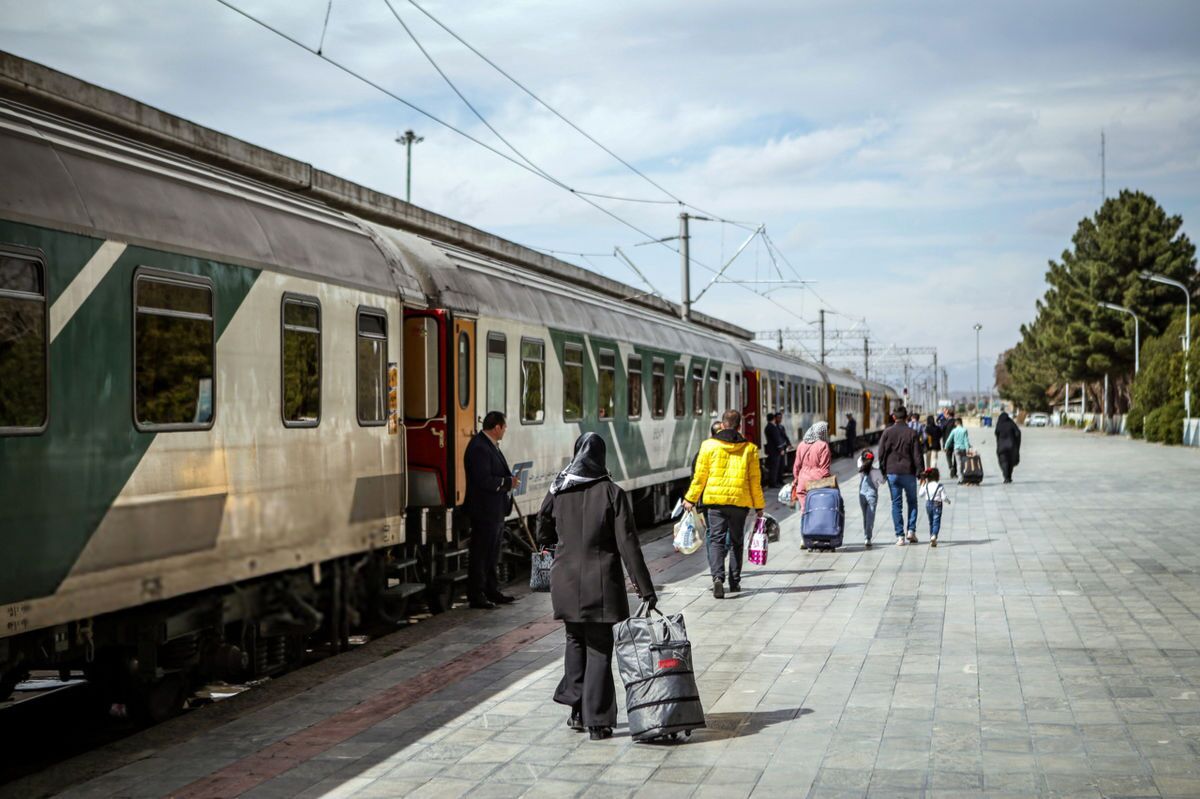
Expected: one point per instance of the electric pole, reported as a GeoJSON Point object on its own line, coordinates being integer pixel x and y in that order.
{"type": "Point", "coordinates": [822, 336]}
{"type": "Point", "coordinates": [408, 139]}
{"type": "Point", "coordinates": [685, 265]}
{"type": "Point", "coordinates": [866, 358]}
{"type": "Point", "coordinates": [978, 327]}
{"type": "Point", "coordinates": [935, 381]}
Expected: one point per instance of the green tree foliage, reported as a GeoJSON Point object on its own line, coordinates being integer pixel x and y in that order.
{"type": "Point", "coordinates": [1157, 410]}
{"type": "Point", "coordinates": [1072, 337]}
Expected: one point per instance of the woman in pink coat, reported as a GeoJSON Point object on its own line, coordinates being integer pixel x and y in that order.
{"type": "Point", "coordinates": [812, 461]}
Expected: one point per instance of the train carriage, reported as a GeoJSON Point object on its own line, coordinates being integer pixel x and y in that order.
{"type": "Point", "coordinates": [237, 392]}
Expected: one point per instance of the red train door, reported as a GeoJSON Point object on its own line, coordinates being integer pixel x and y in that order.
{"type": "Point", "coordinates": [426, 408]}
{"type": "Point", "coordinates": [750, 420]}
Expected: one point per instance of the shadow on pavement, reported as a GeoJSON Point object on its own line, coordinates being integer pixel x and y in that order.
{"type": "Point", "coordinates": [758, 573]}
{"type": "Point", "coordinates": [720, 726]}
{"type": "Point", "coordinates": [792, 589]}
{"type": "Point", "coordinates": [963, 543]}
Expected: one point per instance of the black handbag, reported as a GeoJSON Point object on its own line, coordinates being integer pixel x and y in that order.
{"type": "Point", "coordinates": [539, 570]}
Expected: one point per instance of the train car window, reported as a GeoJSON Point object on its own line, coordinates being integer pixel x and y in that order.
{"type": "Point", "coordinates": [300, 351]}
{"type": "Point", "coordinates": [680, 390]}
{"type": "Point", "coordinates": [24, 346]}
{"type": "Point", "coordinates": [174, 352]}
{"type": "Point", "coordinates": [572, 382]}
{"type": "Point", "coordinates": [658, 389]}
{"type": "Point", "coordinates": [714, 388]}
{"type": "Point", "coordinates": [372, 367]}
{"type": "Point", "coordinates": [728, 390]}
{"type": "Point", "coordinates": [698, 390]}
{"type": "Point", "coordinates": [606, 386]}
{"type": "Point", "coordinates": [533, 365]}
{"type": "Point", "coordinates": [737, 392]}
{"type": "Point", "coordinates": [634, 387]}
{"type": "Point", "coordinates": [497, 373]}
{"type": "Point", "coordinates": [463, 377]}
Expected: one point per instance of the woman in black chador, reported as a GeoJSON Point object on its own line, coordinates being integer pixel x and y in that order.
{"type": "Point", "coordinates": [589, 519]}
{"type": "Point", "coordinates": [1008, 445]}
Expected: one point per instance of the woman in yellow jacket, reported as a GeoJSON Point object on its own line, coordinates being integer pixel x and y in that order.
{"type": "Point", "coordinates": [728, 482]}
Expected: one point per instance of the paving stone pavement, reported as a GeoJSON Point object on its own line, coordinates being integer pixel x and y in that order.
{"type": "Point", "coordinates": [1047, 647]}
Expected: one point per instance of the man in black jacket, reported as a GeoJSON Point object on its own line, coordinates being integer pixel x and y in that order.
{"type": "Point", "coordinates": [900, 460]}
{"type": "Point", "coordinates": [851, 429]}
{"type": "Point", "coordinates": [488, 501]}
{"type": "Point", "coordinates": [777, 447]}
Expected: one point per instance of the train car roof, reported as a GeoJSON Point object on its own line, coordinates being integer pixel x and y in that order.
{"type": "Point", "coordinates": [67, 176]}
{"type": "Point", "coordinates": [838, 377]}
{"type": "Point", "coordinates": [756, 356]}
{"type": "Point", "coordinates": [474, 284]}
{"type": "Point", "coordinates": [37, 86]}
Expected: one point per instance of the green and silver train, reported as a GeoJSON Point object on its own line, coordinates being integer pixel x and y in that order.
{"type": "Point", "coordinates": [235, 392]}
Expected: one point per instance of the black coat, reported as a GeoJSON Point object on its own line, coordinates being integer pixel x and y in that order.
{"type": "Point", "coordinates": [489, 480]}
{"type": "Point", "coordinates": [900, 450]}
{"type": "Point", "coordinates": [851, 429]}
{"type": "Point", "coordinates": [777, 438]}
{"type": "Point", "coordinates": [1008, 439]}
{"type": "Point", "coordinates": [592, 528]}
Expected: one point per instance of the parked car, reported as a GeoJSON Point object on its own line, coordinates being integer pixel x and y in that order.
{"type": "Point", "coordinates": [1037, 420]}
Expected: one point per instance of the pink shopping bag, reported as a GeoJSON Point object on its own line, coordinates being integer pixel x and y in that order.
{"type": "Point", "coordinates": [758, 543]}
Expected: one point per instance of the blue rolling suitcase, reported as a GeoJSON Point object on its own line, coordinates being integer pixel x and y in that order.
{"type": "Point", "coordinates": [824, 519]}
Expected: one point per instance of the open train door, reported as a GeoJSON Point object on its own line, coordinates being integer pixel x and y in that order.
{"type": "Point", "coordinates": [426, 402]}
{"type": "Point", "coordinates": [464, 401]}
{"type": "Point", "coordinates": [751, 427]}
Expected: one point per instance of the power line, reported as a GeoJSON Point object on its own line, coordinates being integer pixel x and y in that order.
{"type": "Point", "coordinates": [374, 85]}
{"type": "Point", "coordinates": [525, 166]}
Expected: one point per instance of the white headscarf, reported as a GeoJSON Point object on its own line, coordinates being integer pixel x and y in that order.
{"type": "Point", "coordinates": [818, 432]}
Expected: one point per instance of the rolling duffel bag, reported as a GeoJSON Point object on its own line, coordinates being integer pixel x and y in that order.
{"type": "Point", "coordinates": [655, 661]}
{"type": "Point", "coordinates": [824, 519]}
{"type": "Point", "coordinates": [972, 472]}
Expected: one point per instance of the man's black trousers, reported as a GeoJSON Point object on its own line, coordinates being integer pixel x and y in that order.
{"type": "Point", "coordinates": [587, 680]}
{"type": "Point", "coordinates": [484, 557]}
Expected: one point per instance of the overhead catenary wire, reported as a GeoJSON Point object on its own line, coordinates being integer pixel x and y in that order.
{"type": "Point", "coordinates": [527, 167]}
{"type": "Point", "coordinates": [430, 116]}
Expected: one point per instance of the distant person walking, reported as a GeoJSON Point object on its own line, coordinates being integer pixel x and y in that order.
{"type": "Point", "coordinates": [812, 461]}
{"type": "Point", "coordinates": [960, 443]}
{"type": "Point", "coordinates": [777, 447]}
{"type": "Point", "coordinates": [728, 481]}
{"type": "Point", "coordinates": [870, 479]}
{"type": "Point", "coordinates": [588, 520]}
{"type": "Point", "coordinates": [932, 440]}
{"type": "Point", "coordinates": [900, 460]}
{"type": "Point", "coordinates": [947, 429]}
{"type": "Point", "coordinates": [851, 428]}
{"type": "Point", "coordinates": [1008, 445]}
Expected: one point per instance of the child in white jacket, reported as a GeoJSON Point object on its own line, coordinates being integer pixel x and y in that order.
{"type": "Point", "coordinates": [934, 494]}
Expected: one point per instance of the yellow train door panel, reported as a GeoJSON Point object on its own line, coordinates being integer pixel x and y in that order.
{"type": "Point", "coordinates": [464, 400]}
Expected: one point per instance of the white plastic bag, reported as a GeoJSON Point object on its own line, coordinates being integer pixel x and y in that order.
{"type": "Point", "coordinates": [689, 533]}
{"type": "Point", "coordinates": [785, 495]}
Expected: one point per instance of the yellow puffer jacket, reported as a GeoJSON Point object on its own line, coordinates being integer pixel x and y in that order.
{"type": "Point", "coordinates": [727, 473]}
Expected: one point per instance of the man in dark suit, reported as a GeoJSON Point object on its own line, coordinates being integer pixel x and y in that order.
{"type": "Point", "coordinates": [488, 501]}
{"type": "Point", "coordinates": [777, 446]}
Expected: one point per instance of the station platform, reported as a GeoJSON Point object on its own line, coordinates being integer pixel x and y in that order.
{"type": "Point", "coordinates": [1049, 646]}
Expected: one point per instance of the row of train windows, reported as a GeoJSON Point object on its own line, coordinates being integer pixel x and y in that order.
{"type": "Point", "coordinates": [797, 397]}
{"type": "Point", "coordinates": [533, 370]}
{"type": "Point", "coordinates": [174, 353]}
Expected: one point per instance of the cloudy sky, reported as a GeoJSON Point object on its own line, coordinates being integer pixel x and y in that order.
{"type": "Point", "coordinates": [919, 161]}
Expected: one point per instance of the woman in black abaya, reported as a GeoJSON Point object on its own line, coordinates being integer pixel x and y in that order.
{"type": "Point", "coordinates": [588, 520]}
{"type": "Point", "coordinates": [1008, 445]}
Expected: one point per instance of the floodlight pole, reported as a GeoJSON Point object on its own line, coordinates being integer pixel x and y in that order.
{"type": "Point", "coordinates": [408, 139]}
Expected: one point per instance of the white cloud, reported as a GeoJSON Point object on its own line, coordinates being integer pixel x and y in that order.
{"type": "Point", "coordinates": [892, 149]}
